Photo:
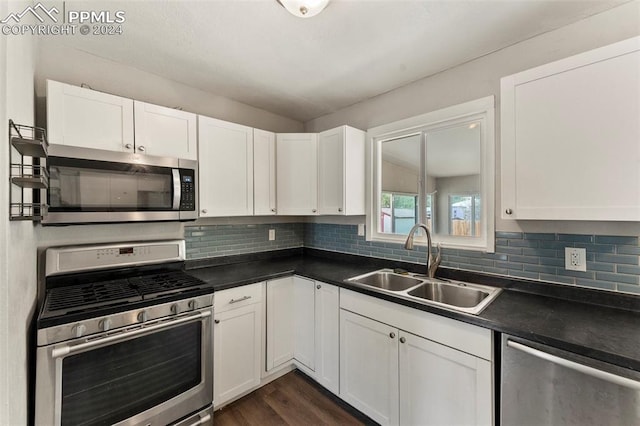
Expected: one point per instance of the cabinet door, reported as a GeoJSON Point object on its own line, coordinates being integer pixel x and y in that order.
{"type": "Point", "coordinates": [225, 167]}
{"type": "Point", "coordinates": [165, 132]}
{"type": "Point", "coordinates": [304, 321]}
{"type": "Point", "coordinates": [264, 173]}
{"type": "Point", "coordinates": [87, 118]}
{"type": "Point", "coordinates": [237, 335]}
{"type": "Point", "coordinates": [280, 322]}
{"type": "Point", "coordinates": [331, 170]}
{"type": "Point", "coordinates": [297, 173]}
{"type": "Point", "coordinates": [570, 138]}
{"type": "Point", "coordinates": [442, 386]}
{"type": "Point", "coordinates": [369, 367]}
{"type": "Point", "coordinates": [328, 336]}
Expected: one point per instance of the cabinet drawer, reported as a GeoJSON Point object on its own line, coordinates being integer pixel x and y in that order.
{"type": "Point", "coordinates": [236, 297]}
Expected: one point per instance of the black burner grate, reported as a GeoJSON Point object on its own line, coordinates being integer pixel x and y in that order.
{"type": "Point", "coordinates": [64, 300]}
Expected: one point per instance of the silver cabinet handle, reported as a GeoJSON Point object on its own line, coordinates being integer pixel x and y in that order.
{"type": "Point", "coordinates": [392, 335]}
{"type": "Point", "coordinates": [314, 210]}
{"type": "Point", "coordinates": [204, 211]}
{"type": "Point", "coordinates": [273, 210]}
{"type": "Point", "coordinates": [128, 146]}
{"type": "Point", "coordinates": [141, 148]}
{"type": "Point", "coordinates": [243, 298]}
{"type": "Point", "coordinates": [340, 209]}
{"type": "Point", "coordinates": [508, 211]}
{"type": "Point", "coordinates": [590, 371]}
{"type": "Point", "coordinates": [69, 349]}
{"type": "Point", "coordinates": [202, 420]}
{"type": "Point", "coordinates": [217, 321]}
{"type": "Point", "coordinates": [402, 340]}
{"type": "Point", "coordinates": [318, 286]}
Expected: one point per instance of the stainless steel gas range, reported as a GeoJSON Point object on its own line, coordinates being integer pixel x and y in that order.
{"type": "Point", "coordinates": [124, 337]}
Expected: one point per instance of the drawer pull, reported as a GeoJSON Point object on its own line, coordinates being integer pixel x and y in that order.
{"type": "Point", "coordinates": [242, 299]}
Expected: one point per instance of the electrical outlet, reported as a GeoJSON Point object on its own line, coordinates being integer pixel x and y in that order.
{"type": "Point", "coordinates": [272, 234]}
{"type": "Point", "coordinates": [575, 259]}
{"type": "Point", "coordinates": [361, 229]}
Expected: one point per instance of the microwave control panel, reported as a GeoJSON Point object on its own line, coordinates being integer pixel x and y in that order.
{"type": "Point", "coordinates": [188, 189]}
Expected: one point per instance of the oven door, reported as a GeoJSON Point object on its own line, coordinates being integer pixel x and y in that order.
{"type": "Point", "coordinates": [151, 375]}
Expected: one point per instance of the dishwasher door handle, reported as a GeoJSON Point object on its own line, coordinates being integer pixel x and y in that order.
{"type": "Point", "coordinates": [590, 371]}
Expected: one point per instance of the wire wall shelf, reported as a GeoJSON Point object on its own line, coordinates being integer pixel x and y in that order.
{"type": "Point", "coordinates": [28, 174]}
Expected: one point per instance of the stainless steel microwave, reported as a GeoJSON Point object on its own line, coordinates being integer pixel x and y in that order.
{"type": "Point", "coordinates": [97, 186]}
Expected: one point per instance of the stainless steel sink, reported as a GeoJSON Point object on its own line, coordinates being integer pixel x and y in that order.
{"type": "Point", "coordinates": [389, 281]}
{"type": "Point", "coordinates": [458, 295]}
{"type": "Point", "coordinates": [455, 295]}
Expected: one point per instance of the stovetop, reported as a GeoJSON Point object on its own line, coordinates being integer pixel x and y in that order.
{"type": "Point", "coordinates": [106, 293]}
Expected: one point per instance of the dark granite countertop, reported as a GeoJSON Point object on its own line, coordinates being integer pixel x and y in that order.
{"type": "Point", "coordinates": [592, 323]}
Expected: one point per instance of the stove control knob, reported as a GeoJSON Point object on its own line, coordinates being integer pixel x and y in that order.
{"type": "Point", "coordinates": [143, 316]}
{"type": "Point", "coordinates": [78, 330]}
{"type": "Point", "coordinates": [174, 309]}
{"type": "Point", "coordinates": [192, 305]}
{"type": "Point", "coordinates": [105, 324]}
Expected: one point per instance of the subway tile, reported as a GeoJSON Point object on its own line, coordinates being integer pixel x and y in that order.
{"type": "Point", "coordinates": [555, 245]}
{"type": "Point", "coordinates": [617, 258]}
{"type": "Point", "coordinates": [523, 243]}
{"type": "Point", "coordinates": [597, 248]}
{"type": "Point", "coordinates": [596, 284]}
{"type": "Point", "coordinates": [539, 252]}
{"type": "Point", "coordinates": [481, 262]}
{"type": "Point", "coordinates": [502, 242]}
{"type": "Point", "coordinates": [577, 274]}
{"type": "Point", "coordinates": [557, 279]}
{"type": "Point", "coordinates": [510, 266]}
{"type": "Point", "coordinates": [603, 267]}
{"type": "Point", "coordinates": [576, 238]}
{"type": "Point", "coordinates": [628, 269]}
{"type": "Point", "coordinates": [618, 278]}
{"type": "Point", "coordinates": [524, 259]}
{"type": "Point", "coordinates": [495, 256]}
{"type": "Point", "coordinates": [509, 235]}
{"type": "Point", "coordinates": [536, 236]}
{"type": "Point", "coordinates": [628, 250]}
{"type": "Point", "coordinates": [626, 288]}
{"type": "Point", "coordinates": [540, 269]}
{"type": "Point", "coordinates": [617, 240]}
{"type": "Point", "coordinates": [509, 250]}
{"type": "Point", "coordinates": [497, 271]}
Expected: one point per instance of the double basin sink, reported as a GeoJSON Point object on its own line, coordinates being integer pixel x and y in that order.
{"type": "Point", "coordinates": [459, 296]}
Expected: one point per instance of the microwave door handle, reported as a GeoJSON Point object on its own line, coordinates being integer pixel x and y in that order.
{"type": "Point", "coordinates": [177, 195]}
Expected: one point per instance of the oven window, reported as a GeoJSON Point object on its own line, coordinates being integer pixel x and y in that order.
{"type": "Point", "coordinates": [77, 188]}
{"type": "Point", "coordinates": [112, 383]}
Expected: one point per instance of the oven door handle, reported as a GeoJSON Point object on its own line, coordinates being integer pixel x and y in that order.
{"type": "Point", "coordinates": [70, 349]}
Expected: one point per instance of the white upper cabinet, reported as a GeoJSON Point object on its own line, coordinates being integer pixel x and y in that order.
{"type": "Point", "coordinates": [341, 175]}
{"type": "Point", "coordinates": [571, 138]}
{"type": "Point", "coordinates": [165, 132]}
{"type": "Point", "coordinates": [78, 116]}
{"type": "Point", "coordinates": [226, 168]}
{"type": "Point", "coordinates": [264, 173]}
{"type": "Point", "coordinates": [297, 173]}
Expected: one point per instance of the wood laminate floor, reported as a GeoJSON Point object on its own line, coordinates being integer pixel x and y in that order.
{"type": "Point", "coordinates": [293, 399]}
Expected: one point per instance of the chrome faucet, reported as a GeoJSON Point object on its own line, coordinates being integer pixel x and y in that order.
{"type": "Point", "coordinates": [432, 263]}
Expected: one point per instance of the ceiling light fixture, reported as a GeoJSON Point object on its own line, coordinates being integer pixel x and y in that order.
{"type": "Point", "coordinates": [304, 8]}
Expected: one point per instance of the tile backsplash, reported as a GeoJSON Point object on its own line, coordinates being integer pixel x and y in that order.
{"type": "Point", "coordinates": [613, 262]}
{"type": "Point", "coordinates": [225, 240]}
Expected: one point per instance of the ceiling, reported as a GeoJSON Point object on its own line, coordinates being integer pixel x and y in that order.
{"type": "Point", "coordinates": [255, 52]}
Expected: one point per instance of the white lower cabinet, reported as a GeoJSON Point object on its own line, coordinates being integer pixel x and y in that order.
{"type": "Point", "coordinates": [409, 378]}
{"type": "Point", "coordinates": [442, 386]}
{"type": "Point", "coordinates": [237, 337]}
{"type": "Point", "coordinates": [327, 330]}
{"type": "Point", "coordinates": [280, 322]}
{"type": "Point", "coordinates": [369, 367]}
{"type": "Point", "coordinates": [304, 332]}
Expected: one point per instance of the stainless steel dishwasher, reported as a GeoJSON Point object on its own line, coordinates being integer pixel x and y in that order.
{"type": "Point", "coordinates": [541, 385]}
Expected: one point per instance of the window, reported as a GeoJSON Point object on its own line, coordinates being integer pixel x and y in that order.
{"type": "Point", "coordinates": [436, 169]}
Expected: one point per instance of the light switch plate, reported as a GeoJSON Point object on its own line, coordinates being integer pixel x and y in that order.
{"type": "Point", "coordinates": [575, 259]}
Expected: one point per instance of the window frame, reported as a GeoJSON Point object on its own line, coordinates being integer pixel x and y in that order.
{"type": "Point", "coordinates": [482, 110]}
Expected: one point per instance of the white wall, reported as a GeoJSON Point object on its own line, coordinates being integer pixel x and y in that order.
{"type": "Point", "coordinates": [68, 65]}
{"type": "Point", "coordinates": [481, 77]}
